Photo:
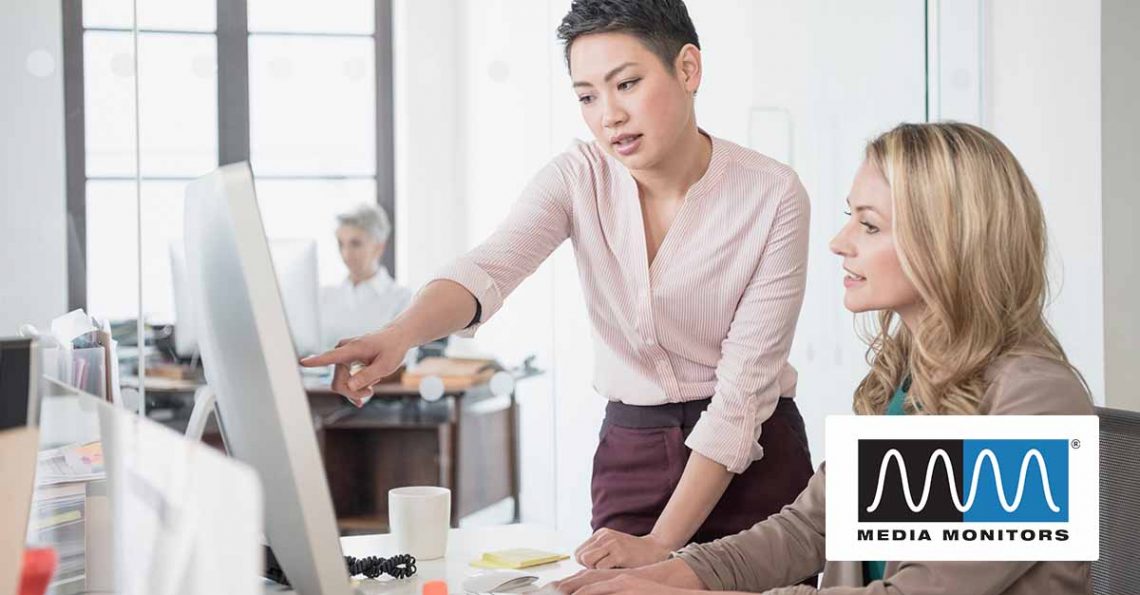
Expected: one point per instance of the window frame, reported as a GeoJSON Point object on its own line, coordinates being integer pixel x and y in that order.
{"type": "Point", "coordinates": [232, 36]}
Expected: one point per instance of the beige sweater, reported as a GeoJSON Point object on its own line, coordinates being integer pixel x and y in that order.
{"type": "Point", "coordinates": [789, 545]}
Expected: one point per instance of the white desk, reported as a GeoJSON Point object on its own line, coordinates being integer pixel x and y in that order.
{"type": "Point", "coordinates": [463, 546]}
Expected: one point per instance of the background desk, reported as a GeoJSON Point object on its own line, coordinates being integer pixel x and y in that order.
{"type": "Point", "coordinates": [467, 441]}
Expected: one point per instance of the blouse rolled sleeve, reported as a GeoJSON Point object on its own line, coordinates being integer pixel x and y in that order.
{"type": "Point", "coordinates": [754, 355]}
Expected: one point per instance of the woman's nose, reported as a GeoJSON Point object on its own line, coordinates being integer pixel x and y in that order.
{"type": "Point", "coordinates": [840, 245]}
{"type": "Point", "coordinates": [613, 115]}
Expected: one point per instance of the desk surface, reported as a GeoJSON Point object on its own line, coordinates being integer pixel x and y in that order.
{"type": "Point", "coordinates": [314, 385]}
{"type": "Point", "coordinates": [463, 546]}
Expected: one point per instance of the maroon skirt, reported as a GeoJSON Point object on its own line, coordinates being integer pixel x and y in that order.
{"type": "Point", "coordinates": [642, 454]}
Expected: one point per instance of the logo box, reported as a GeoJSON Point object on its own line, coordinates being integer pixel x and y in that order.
{"type": "Point", "coordinates": [960, 488]}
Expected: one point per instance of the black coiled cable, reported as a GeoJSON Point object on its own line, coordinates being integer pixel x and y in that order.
{"type": "Point", "coordinates": [401, 566]}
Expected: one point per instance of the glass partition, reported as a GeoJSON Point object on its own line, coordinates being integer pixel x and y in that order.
{"type": "Point", "coordinates": [127, 504]}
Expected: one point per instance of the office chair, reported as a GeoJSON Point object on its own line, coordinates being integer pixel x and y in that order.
{"type": "Point", "coordinates": [1118, 570]}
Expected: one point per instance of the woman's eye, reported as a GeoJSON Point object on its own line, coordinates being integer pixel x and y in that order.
{"type": "Point", "coordinates": [848, 213]}
{"type": "Point", "coordinates": [870, 228]}
{"type": "Point", "coordinates": [626, 85]}
{"type": "Point", "coordinates": [585, 99]}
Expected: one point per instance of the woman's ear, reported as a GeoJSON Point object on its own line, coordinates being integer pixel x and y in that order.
{"type": "Point", "coordinates": [688, 67]}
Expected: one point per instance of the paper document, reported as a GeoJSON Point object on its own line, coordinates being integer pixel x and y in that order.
{"type": "Point", "coordinates": [70, 463]}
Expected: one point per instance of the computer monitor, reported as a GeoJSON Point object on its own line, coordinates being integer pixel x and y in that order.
{"type": "Point", "coordinates": [294, 261]}
{"type": "Point", "coordinates": [185, 319]}
{"type": "Point", "coordinates": [251, 365]}
{"type": "Point", "coordinates": [18, 375]}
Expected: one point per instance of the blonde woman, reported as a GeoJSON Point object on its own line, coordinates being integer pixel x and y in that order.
{"type": "Point", "coordinates": [946, 240]}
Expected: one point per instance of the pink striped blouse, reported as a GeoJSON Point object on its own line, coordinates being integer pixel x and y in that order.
{"type": "Point", "coordinates": [715, 313]}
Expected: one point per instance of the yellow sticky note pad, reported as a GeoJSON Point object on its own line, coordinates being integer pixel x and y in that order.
{"type": "Point", "coordinates": [517, 558]}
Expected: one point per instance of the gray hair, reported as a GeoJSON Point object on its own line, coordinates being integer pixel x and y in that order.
{"type": "Point", "coordinates": [369, 217]}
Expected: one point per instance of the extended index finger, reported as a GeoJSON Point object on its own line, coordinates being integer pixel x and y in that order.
{"type": "Point", "coordinates": [345, 354]}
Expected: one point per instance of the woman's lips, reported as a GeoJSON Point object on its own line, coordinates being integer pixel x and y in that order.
{"type": "Point", "coordinates": [627, 145]}
{"type": "Point", "coordinates": [852, 280]}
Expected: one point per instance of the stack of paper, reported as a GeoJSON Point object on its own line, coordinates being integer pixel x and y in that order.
{"type": "Point", "coordinates": [517, 558]}
{"type": "Point", "coordinates": [80, 351]}
{"type": "Point", "coordinates": [59, 509]}
{"type": "Point", "coordinates": [456, 374]}
{"type": "Point", "coordinates": [70, 463]}
{"type": "Point", "coordinates": [57, 521]}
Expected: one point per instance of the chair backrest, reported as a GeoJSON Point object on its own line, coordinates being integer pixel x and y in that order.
{"type": "Point", "coordinates": [1118, 570]}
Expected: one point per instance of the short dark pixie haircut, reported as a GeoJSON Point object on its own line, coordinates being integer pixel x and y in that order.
{"type": "Point", "coordinates": [662, 25]}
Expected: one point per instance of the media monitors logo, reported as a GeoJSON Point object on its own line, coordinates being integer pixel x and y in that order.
{"type": "Point", "coordinates": [955, 481]}
{"type": "Point", "coordinates": [962, 488]}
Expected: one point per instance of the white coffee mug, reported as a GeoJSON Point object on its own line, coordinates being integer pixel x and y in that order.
{"type": "Point", "coordinates": [420, 517]}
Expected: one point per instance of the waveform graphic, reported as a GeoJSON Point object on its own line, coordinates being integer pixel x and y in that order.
{"type": "Point", "coordinates": [985, 454]}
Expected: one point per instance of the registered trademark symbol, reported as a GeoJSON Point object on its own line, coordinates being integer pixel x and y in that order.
{"type": "Point", "coordinates": [1075, 443]}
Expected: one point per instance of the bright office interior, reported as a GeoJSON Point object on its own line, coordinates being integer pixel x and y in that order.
{"type": "Point", "coordinates": [441, 111]}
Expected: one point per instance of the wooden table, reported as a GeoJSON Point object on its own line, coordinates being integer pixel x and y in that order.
{"type": "Point", "coordinates": [466, 441]}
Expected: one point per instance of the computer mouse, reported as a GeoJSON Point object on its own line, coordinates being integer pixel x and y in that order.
{"type": "Point", "coordinates": [498, 581]}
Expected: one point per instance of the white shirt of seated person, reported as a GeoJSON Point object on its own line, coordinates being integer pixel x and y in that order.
{"type": "Point", "coordinates": [349, 310]}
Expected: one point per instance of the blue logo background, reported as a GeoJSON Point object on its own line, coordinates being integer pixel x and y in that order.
{"type": "Point", "coordinates": [1010, 454]}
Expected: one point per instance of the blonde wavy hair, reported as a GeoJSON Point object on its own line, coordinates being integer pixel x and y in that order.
{"type": "Point", "coordinates": [970, 234]}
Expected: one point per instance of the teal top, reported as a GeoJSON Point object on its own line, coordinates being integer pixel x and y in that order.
{"type": "Point", "coordinates": [895, 407]}
{"type": "Point", "coordinates": [873, 570]}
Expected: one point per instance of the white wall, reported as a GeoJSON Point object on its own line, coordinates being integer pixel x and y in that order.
{"type": "Point", "coordinates": [1030, 72]}
{"type": "Point", "coordinates": [1042, 97]}
{"type": "Point", "coordinates": [430, 210]}
{"type": "Point", "coordinates": [33, 261]}
{"type": "Point", "coordinates": [1120, 86]}
{"type": "Point", "coordinates": [843, 73]}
